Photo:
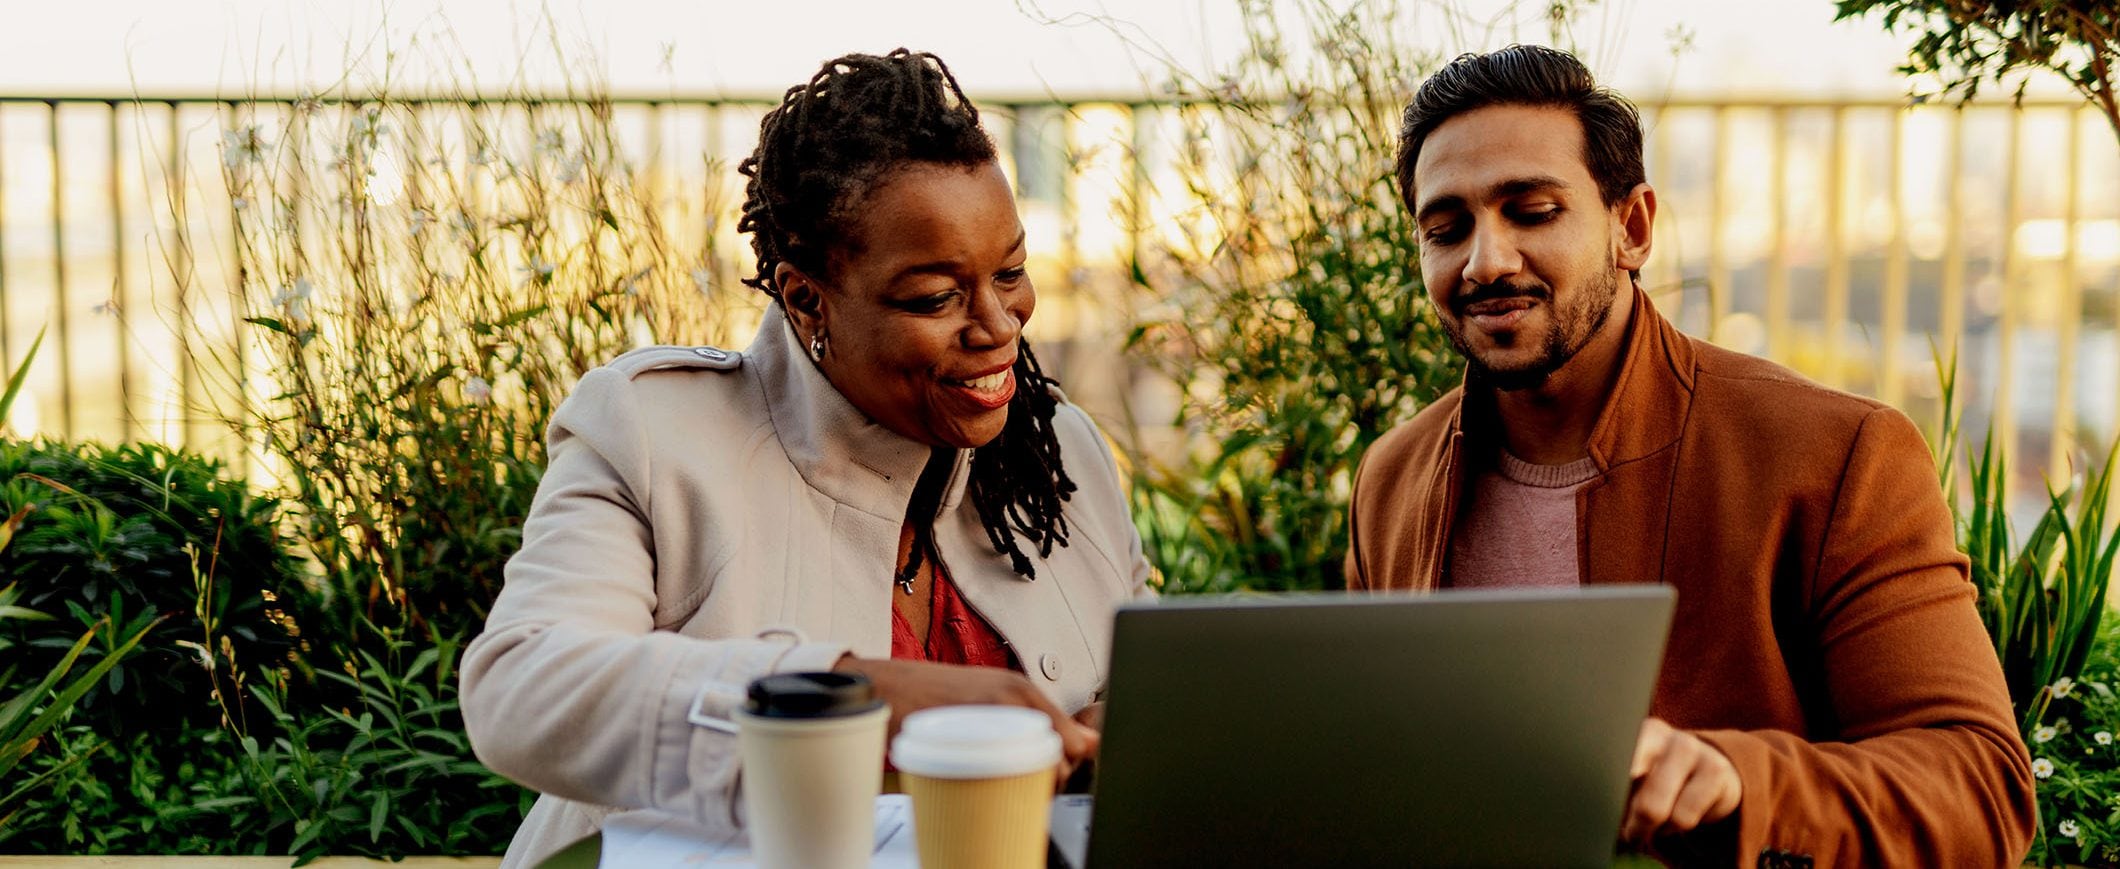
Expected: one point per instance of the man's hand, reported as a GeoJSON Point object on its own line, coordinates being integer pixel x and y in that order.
{"type": "Point", "coordinates": [1680, 783]}
{"type": "Point", "coordinates": [910, 686]}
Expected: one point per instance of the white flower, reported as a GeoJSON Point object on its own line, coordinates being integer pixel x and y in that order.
{"type": "Point", "coordinates": [537, 270]}
{"type": "Point", "coordinates": [241, 146]}
{"type": "Point", "coordinates": [293, 302]}
{"type": "Point", "coordinates": [703, 280]}
{"type": "Point", "coordinates": [478, 390]}
{"type": "Point", "coordinates": [570, 170]}
{"type": "Point", "coordinates": [2064, 687]}
{"type": "Point", "coordinates": [2043, 734]}
{"type": "Point", "coordinates": [2068, 829]}
{"type": "Point", "coordinates": [550, 141]}
{"type": "Point", "coordinates": [2102, 738]}
{"type": "Point", "coordinates": [420, 219]}
{"type": "Point", "coordinates": [2042, 768]}
{"type": "Point", "coordinates": [239, 203]}
{"type": "Point", "coordinates": [481, 156]}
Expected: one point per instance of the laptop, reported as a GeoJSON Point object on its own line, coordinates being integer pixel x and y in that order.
{"type": "Point", "coordinates": [1457, 728]}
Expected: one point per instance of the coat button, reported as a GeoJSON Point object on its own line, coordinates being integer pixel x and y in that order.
{"type": "Point", "coordinates": [1049, 664]}
{"type": "Point", "coordinates": [711, 353]}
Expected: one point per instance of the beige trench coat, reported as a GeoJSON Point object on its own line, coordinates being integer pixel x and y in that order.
{"type": "Point", "coordinates": [696, 501]}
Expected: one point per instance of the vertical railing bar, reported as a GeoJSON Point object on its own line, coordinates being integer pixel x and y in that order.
{"type": "Point", "coordinates": [2063, 436]}
{"type": "Point", "coordinates": [710, 201]}
{"type": "Point", "coordinates": [658, 171]}
{"type": "Point", "coordinates": [1660, 141]}
{"type": "Point", "coordinates": [1778, 338]}
{"type": "Point", "coordinates": [2005, 420]}
{"type": "Point", "coordinates": [1834, 321]}
{"type": "Point", "coordinates": [1070, 234]}
{"type": "Point", "coordinates": [1137, 193]}
{"type": "Point", "coordinates": [1718, 264]}
{"type": "Point", "coordinates": [1952, 323]}
{"type": "Point", "coordinates": [120, 302]}
{"type": "Point", "coordinates": [1136, 184]}
{"type": "Point", "coordinates": [238, 348]}
{"type": "Point", "coordinates": [180, 274]}
{"type": "Point", "coordinates": [1894, 314]}
{"type": "Point", "coordinates": [7, 358]}
{"type": "Point", "coordinates": [64, 348]}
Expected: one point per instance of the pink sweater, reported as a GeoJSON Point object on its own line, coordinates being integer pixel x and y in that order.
{"type": "Point", "coordinates": [1518, 529]}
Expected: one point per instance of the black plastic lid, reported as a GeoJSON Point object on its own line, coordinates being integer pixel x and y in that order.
{"type": "Point", "coordinates": [811, 695]}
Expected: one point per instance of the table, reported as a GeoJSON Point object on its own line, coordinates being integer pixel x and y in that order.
{"type": "Point", "coordinates": [585, 854]}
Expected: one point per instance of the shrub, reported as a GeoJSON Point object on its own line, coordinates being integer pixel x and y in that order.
{"type": "Point", "coordinates": [110, 533]}
{"type": "Point", "coordinates": [2078, 762]}
{"type": "Point", "coordinates": [422, 285]}
{"type": "Point", "coordinates": [1292, 319]}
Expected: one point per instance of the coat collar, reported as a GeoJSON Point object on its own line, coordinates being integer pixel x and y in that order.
{"type": "Point", "coordinates": [1646, 410]}
{"type": "Point", "coordinates": [835, 447]}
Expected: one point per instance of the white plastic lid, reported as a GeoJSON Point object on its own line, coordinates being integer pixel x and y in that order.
{"type": "Point", "coordinates": [975, 742]}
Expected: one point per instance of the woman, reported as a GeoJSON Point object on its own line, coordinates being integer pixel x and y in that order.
{"type": "Point", "coordinates": [884, 482]}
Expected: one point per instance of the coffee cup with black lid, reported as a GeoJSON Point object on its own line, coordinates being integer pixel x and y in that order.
{"type": "Point", "coordinates": [812, 746]}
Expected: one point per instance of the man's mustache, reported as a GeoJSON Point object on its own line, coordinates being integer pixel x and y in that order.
{"type": "Point", "coordinates": [1499, 290]}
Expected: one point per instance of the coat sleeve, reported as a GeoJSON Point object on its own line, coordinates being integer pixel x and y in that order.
{"type": "Point", "coordinates": [571, 690]}
{"type": "Point", "coordinates": [1932, 771]}
{"type": "Point", "coordinates": [1357, 578]}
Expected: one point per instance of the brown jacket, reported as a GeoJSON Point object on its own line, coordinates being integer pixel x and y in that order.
{"type": "Point", "coordinates": [1826, 638]}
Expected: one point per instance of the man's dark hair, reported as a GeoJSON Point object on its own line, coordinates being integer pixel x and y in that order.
{"type": "Point", "coordinates": [828, 143]}
{"type": "Point", "coordinates": [1530, 75]}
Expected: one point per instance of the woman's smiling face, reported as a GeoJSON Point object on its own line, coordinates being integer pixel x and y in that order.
{"type": "Point", "coordinates": [924, 303]}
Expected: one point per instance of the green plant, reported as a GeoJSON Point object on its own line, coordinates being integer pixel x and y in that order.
{"type": "Point", "coordinates": [103, 535]}
{"type": "Point", "coordinates": [1964, 44]}
{"type": "Point", "coordinates": [423, 283]}
{"type": "Point", "coordinates": [29, 714]}
{"type": "Point", "coordinates": [2041, 600]}
{"type": "Point", "coordinates": [2077, 762]}
{"type": "Point", "coordinates": [1291, 315]}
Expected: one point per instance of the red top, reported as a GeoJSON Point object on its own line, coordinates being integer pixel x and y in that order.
{"type": "Point", "coordinates": [956, 634]}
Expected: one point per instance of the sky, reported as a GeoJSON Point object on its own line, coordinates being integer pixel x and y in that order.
{"type": "Point", "coordinates": [758, 47]}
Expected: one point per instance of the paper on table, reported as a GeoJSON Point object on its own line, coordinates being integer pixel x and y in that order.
{"type": "Point", "coordinates": [652, 840]}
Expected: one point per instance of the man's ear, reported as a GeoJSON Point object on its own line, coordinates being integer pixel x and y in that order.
{"type": "Point", "coordinates": [1635, 229]}
{"type": "Point", "coordinates": [803, 298]}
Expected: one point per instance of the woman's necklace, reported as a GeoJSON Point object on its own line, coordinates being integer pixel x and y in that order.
{"type": "Point", "coordinates": [925, 552]}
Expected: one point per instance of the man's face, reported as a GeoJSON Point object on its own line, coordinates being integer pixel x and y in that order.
{"type": "Point", "coordinates": [1517, 247]}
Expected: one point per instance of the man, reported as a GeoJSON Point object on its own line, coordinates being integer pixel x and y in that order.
{"type": "Point", "coordinates": [1828, 695]}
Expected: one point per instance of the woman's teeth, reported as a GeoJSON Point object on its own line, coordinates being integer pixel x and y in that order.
{"type": "Point", "coordinates": [988, 383]}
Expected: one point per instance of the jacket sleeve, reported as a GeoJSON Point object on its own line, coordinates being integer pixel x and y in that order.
{"type": "Point", "coordinates": [1357, 579]}
{"type": "Point", "coordinates": [1932, 771]}
{"type": "Point", "coordinates": [571, 690]}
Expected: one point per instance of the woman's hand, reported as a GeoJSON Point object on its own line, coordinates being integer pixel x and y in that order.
{"type": "Point", "coordinates": [910, 686]}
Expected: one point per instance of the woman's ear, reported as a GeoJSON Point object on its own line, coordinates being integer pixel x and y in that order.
{"type": "Point", "coordinates": [803, 298]}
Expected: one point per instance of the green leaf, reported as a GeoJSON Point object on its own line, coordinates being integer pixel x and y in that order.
{"type": "Point", "coordinates": [378, 812]}
{"type": "Point", "coordinates": [15, 381]}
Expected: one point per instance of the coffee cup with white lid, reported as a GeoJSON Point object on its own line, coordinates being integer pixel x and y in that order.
{"type": "Point", "coordinates": [981, 779]}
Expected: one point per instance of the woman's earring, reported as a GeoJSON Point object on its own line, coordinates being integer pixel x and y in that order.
{"type": "Point", "coordinates": [817, 347]}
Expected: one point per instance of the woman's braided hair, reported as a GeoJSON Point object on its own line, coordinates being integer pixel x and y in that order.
{"type": "Point", "coordinates": [827, 144]}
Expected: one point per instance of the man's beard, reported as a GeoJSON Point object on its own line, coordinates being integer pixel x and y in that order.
{"type": "Point", "coordinates": [1569, 331]}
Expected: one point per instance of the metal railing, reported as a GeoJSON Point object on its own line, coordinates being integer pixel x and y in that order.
{"type": "Point", "coordinates": [1842, 237]}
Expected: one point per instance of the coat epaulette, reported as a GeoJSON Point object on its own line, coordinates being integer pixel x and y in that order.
{"type": "Point", "coordinates": [635, 362]}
